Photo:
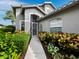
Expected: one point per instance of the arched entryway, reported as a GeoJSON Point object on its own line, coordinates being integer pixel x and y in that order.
{"type": "Point", "coordinates": [34, 24]}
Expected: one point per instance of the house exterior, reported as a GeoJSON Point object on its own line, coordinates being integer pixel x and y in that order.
{"type": "Point", "coordinates": [64, 20]}
{"type": "Point", "coordinates": [45, 17]}
{"type": "Point", "coordinates": [27, 16]}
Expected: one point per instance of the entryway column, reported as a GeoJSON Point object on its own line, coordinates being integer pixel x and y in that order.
{"type": "Point", "coordinates": [18, 18]}
{"type": "Point", "coordinates": [27, 26]}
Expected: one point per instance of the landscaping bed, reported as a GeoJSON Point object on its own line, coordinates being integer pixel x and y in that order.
{"type": "Point", "coordinates": [60, 45]}
{"type": "Point", "coordinates": [46, 51]}
{"type": "Point", "coordinates": [13, 45]}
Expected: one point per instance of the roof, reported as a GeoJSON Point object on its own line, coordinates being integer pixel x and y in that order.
{"type": "Point", "coordinates": [24, 6]}
{"type": "Point", "coordinates": [71, 4]}
{"type": "Point", "coordinates": [33, 6]}
{"type": "Point", "coordinates": [50, 3]}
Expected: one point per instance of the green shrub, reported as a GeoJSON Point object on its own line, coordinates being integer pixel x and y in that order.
{"type": "Point", "coordinates": [67, 42]}
{"type": "Point", "coordinates": [9, 28]}
{"type": "Point", "coordinates": [1, 30]}
{"type": "Point", "coordinates": [58, 56]}
{"type": "Point", "coordinates": [44, 37]}
{"type": "Point", "coordinates": [54, 51]}
{"type": "Point", "coordinates": [73, 57]}
{"type": "Point", "coordinates": [12, 45]}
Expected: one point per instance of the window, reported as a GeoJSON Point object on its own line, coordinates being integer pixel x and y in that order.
{"type": "Point", "coordinates": [56, 25]}
{"type": "Point", "coordinates": [56, 29]}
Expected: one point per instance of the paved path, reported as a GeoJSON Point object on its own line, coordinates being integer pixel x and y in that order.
{"type": "Point", "coordinates": [35, 50]}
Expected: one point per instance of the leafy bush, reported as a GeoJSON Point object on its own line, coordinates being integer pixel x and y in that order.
{"type": "Point", "coordinates": [1, 30]}
{"type": "Point", "coordinates": [12, 45]}
{"type": "Point", "coordinates": [44, 37]}
{"type": "Point", "coordinates": [73, 57]}
{"type": "Point", "coordinates": [54, 51]}
{"type": "Point", "coordinates": [9, 28]}
{"type": "Point", "coordinates": [67, 42]}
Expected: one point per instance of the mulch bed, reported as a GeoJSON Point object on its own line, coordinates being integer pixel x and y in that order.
{"type": "Point", "coordinates": [22, 55]}
{"type": "Point", "coordinates": [48, 55]}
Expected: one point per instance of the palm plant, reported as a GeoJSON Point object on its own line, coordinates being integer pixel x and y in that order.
{"type": "Point", "coordinates": [9, 15]}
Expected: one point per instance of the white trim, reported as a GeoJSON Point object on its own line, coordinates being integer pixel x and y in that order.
{"type": "Point", "coordinates": [41, 9]}
{"type": "Point", "coordinates": [35, 14]}
{"type": "Point", "coordinates": [36, 27]}
{"type": "Point", "coordinates": [33, 22]}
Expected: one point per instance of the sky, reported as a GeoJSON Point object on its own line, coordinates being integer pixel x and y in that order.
{"type": "Point", "coordinates": [6, 5]}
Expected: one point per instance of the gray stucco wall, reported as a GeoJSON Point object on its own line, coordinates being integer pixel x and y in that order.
{"type": "Point", "coordinates": [70, 19]}
{"type": "Point", "coordinates": [45, 26]}
{"type": "Point", "coordinates": [46, 23]}
{"type": "Point", "coordinates": [27, 18]}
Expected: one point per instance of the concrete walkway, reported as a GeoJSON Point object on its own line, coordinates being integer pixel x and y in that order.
{"type": "Point", "coordinates": [35, 50]}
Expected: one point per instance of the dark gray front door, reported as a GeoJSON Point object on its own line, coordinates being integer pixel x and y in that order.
{"type": "Point", "coordinates": [34, 28]}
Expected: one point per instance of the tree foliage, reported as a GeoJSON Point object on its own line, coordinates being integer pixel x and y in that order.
{"type": "Point", "coordinates": [9, 15]}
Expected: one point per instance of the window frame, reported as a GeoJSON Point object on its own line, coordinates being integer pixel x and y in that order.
{"type": "Point", "coordinates": [54, 23]}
